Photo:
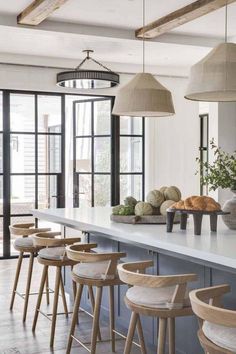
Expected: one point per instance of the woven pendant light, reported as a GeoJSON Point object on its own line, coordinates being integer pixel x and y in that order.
{"type": "Point", "coordinates": [213, 79]}
{"type": "Point", "coordinates": [143, 96]}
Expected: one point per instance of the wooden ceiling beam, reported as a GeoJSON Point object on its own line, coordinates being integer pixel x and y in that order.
{"type": "Point", "coordinates": [38, 11]}
{"type": "Point", "coordinates": [180, 17]}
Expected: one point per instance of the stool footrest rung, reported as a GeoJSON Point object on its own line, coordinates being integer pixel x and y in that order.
{"type": "Point", "coordinates": [48, 315]}
{"type": "Point", "coordinates": [84, 344]}
{"type": "Point", "coordinates": [22, 295]}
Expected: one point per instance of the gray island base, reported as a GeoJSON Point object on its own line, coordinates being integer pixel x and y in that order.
{"type": "Point", "coordinates": [212, 256]}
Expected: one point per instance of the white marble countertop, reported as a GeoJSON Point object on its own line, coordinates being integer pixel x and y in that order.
{"type": "Point", "coordinates": [218, 248]}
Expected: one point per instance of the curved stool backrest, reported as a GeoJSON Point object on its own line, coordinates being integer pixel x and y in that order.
{"type": "Point", "coordinates": [206, 304]}
{"type": "Point", "coordinates": [48, 239]}
{"type": "Point", "coordinates": [211, 311]}
{"type": "Point", "coordinates": [77, 254]}
{"type": "Point", "coordinates": [134, 274]}
{"type": "Point", "coordinates": [25, 229]}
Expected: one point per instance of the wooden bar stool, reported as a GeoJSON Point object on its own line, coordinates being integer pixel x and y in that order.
{"type": "Point", "coordinates": [53, 255]}
{"type": "Point", "coordinates": [217, 333]}
{"type": "Point", "coordinates": [98, 270]}
{"type": "Point", "coordinates": [24, 245]}
{"type": "Point", "coordinates": [164, 297]}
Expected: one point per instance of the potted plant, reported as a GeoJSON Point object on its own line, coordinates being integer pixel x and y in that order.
{"type": "Point", "coordinates": [222, 173]}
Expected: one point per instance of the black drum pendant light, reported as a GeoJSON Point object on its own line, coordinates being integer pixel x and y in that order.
{"type": "Point", "coordinates": [88, 79]}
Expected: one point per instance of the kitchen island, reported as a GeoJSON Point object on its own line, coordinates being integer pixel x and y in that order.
{"type": "Point", "coordinates": [212, 256]}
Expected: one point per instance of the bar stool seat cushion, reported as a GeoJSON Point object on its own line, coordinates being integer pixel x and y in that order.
{"type": "Point", "coordinates": [53, 253]}
{"type": "Point", "coordinates": [96, 270]}
{"type": "Point", "coordinates": [24, 242]}
{"type": "Point", "coordinates": [224, 337]}
{"type": "Point", "coordinates": [155, 297]}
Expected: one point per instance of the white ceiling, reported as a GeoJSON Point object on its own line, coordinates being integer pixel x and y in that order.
{"type": "Point", "coordinates": [67, 41]}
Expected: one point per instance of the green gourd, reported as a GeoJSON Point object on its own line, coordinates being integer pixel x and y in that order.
{"type": "Point", "coordinates": [172, 193]}
{"type": "Point", "coordinates": [155, 198]}
{"type": "Point", "coordinates": [116, 209]}
{"type": "Point", "coordinates": [143, 208]}
{"type": "Point", "coordinates": [164, 206]}
{"type": "Point", "coordinates": [126, 210]}
{"type": "Point", "coordinates": [130, 201]}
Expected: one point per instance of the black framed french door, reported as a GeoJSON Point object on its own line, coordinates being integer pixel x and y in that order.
{"type": "Point", "coordinates": [108, 154]}
{"type": "Point", "coordinates": [94, 161]}
{"type": "Point", "coordinates": [33, 159]}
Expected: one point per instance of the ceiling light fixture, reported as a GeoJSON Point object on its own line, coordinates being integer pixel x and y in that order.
{"type": "Point", "coordinates": [213, 79]}
{"type": "Point", "coordinates": [88, 79]}
{"type": "Point", "coordinates": [143, 96]}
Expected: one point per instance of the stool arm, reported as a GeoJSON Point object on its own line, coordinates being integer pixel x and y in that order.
{"type": "Point", "coordinates": [22, 226]}
{"type": "Point", "coordinates": [81, 247]}
{"type": "Point", "coordinates": [49, 234]}
{"type": "Point", "coordinates": [41, 229]}
{"type": "Point", "coordinates": [100, 257]}
{"type": "Point", "coordinates": [70, 240]}
{"type": "Point", "coordinates": [211, 292]}
{"type": "Point", "coordinates": [74, 251]}
{"type": "Point", "coordinates": [60, 242]}
{"type": "Point", "coordinates": [152, 281]}
{"type": "Point", "coordinates": [22, 230]}
{"type": "Point", "coordinates": [138, 266]}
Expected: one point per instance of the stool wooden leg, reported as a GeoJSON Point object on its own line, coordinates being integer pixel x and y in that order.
{"type": "Point", "coordinates": [112, 318]}
{"type": "Point", "coordinates": [162, 336]}
{"type": "Point", "coordinates": [171, 331]}
{"type": "Point", "coordinates": [55, 304]}
{"type": "Point", "coordinates": [40, 294]}
{"type": "Point", "coordinates": [47, 290]}
{"type": "Point", "coordinates": [91, 296]}
{"type": "Point", "coordinates": [74, 317]}
{"type": "Point", "coordinates": [27, 291]}
{"type": "Point", "coordinates": [18, 268]}
{"type": "Point", "coordinates": [74, 287]}
{"type": "Point", "coordinates": [63, 296]}
{"type": "Point", "coordinates": [130, 335]}
{"type": "Point", "coordinates": [96, 319]}
{"type": "Point", "coordinates": [140, 336]}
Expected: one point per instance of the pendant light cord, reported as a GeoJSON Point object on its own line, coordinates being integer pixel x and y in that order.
{"type": "Point", "coordinates": [144, 36]}
{"type": "Point", "coordinates": [226, 21]}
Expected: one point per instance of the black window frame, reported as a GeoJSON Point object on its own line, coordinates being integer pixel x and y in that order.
{"type": "Point", "coordinates": [203, 148]}
{"type": "Point", "coordinates": [6, 164]}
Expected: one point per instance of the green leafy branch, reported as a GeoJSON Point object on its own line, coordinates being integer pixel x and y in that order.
{"type": "Point", "coordinates": [222, 172]}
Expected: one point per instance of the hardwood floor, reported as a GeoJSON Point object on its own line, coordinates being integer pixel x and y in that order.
{"type": "Point", "coordinates": [17, 338]}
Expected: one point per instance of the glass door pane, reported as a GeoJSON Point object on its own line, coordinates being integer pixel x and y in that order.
{"type": "Point", "coordinates": [47, 191]}
{"type": "Point", "coordinates": [22, 194]}
{"type": "Point", "coordinates": [92, 152]}
{"type": "Point", "coordinates": [22, 112]}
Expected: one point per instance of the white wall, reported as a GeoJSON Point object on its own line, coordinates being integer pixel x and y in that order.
{"type": "Point", "coordinates": [174, 142]}
{"type": "Point", "coordinates": [171, 143]}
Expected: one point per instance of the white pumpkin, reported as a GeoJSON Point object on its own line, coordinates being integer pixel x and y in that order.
{"type": "Point", "coordinates": [172, 193]}
{"type": "Point", "coordinates": [155, 198]}
{"type": "Point", "coordinates": [164, 206]}
{"type": "Point", "coordinates": [143, 208]}
{"type": "Point", "coordinates": [162, 189]}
